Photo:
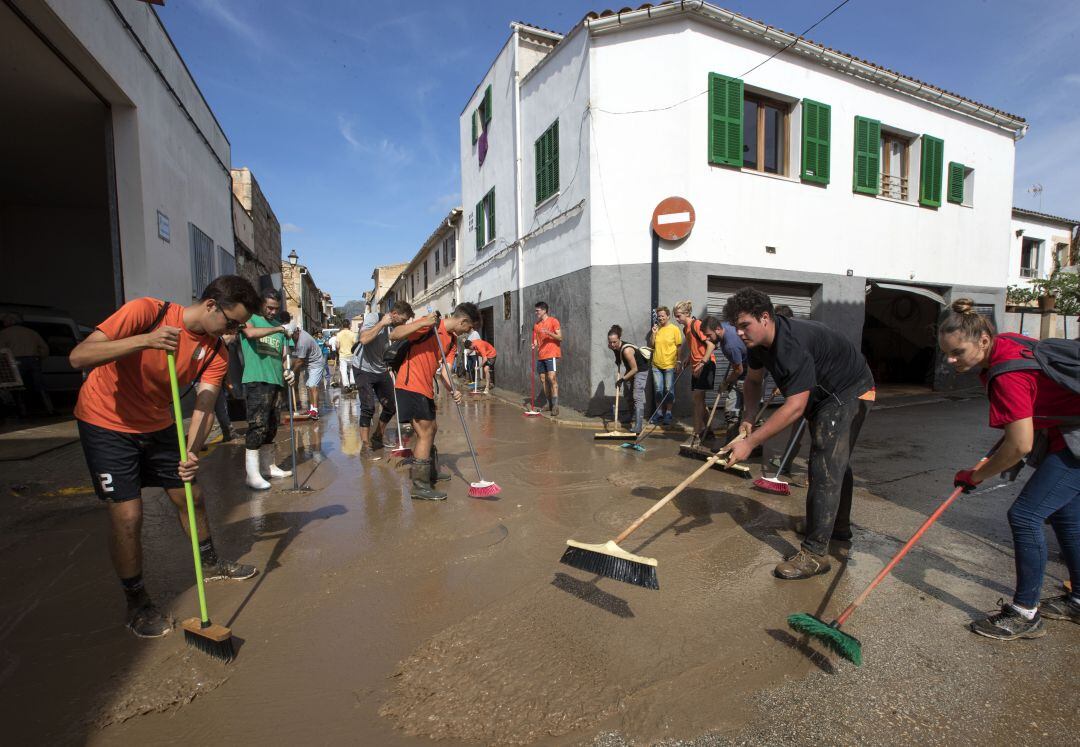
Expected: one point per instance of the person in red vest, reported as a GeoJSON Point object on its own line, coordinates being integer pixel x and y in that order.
{"type": "Point", "coordinates": [487, 354]}
{"type": "Point", "coordinates": [1037, 414]}
{"type": "Point", "coordinates": [547, 341]}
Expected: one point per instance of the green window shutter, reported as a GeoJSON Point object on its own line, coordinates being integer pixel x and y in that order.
{"type": "Point", "coordinates": [956, 182]}
{"type": "Point", "coordinates": [538, 157]}
{"type": "Point", "coordinates": [547, 163]}
{"type": "Point", "coordinates": [479, 222]}
{"type": "Point", "coordinates": [816, 148]}
{"type": "Point", "coordinates": [472, 118]}
{"type": "Point", "coordinates": [487, 105]}
{"type": "Point", "coordinates": [553, 178]}
{"type": "Point", "coordinates": [867, 155]}
{"type": "Point", "coordinates": [725, 120]}
{"type": "Point", "coordinates": [491, 215]}
{"type": "Point", "coordinates": [933, 152]}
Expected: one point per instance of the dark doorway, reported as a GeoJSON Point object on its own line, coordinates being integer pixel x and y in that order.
{"type": "Point", "coordinates": [898, 335]}
{"type": "Point", "coordinates": [487, 324]}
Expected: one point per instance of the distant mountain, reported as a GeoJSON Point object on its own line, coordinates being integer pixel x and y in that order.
{"type": "Point", "coordinates": [350, 309]}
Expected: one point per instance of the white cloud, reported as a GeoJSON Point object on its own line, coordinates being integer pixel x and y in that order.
{"type": "Point", "coordinates": [237, 25]}
{"type": "Point", "coordinates": [1072, 79]}
{"type": "Point", "coordinates": [291, 228]}
{"type": "Point", "coordinates": [443, 203]}
{"type": "Point", "coordinates": [382, 148]}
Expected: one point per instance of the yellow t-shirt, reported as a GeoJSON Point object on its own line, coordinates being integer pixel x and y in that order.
{"type": "Point", "coordinates": [666, 344]}
{"type": "Point", "coordinates": [345, 340]}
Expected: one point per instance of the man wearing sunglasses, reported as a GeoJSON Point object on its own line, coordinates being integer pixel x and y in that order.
{"type": "Point", "coordinates": [126, 426]}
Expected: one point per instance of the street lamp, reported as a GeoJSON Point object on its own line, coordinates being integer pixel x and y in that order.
{"type": "Point", "coordinates": [293, 259]}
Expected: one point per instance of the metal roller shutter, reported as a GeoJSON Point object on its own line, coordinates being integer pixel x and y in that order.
{"type": "Point", "coordinates": [799, 297]}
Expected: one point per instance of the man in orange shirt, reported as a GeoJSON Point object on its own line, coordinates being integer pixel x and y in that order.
{"type": "Point", "coordinates": [416, 391]}
{"type": "Point", "coordinates": [701, 337]}
{"type": "Point", "coordinates": [126, 425]}
{"type": "Point", "coordinates": [547, 342]}
{"type": "Point", "coordinates": [487, 354]}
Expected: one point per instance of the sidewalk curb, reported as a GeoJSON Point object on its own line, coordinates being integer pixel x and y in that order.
{"type": "Point", "coordinates": [582, 424]}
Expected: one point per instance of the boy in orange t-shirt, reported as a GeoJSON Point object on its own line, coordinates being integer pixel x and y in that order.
{"type": "Point", "coordinates": [547, 342]}
{"type": "Point", "coordinates": [415, 381]}
{"type": "Point", "coordinates": [487, 354]}
{"type": "Point", "coordinates": [126, 425]}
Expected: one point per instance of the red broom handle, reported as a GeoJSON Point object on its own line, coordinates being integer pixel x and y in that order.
{"type": "Point", "coordinates": [904, 550]}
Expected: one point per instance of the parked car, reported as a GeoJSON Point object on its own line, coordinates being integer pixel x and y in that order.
{"type": "Point", "coordinates": [62, 334]}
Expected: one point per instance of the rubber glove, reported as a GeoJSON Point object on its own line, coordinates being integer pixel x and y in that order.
{"type": "Point", "coordinates": [965, 479]}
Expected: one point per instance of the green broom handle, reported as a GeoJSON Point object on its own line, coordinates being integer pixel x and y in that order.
{"type": "Point", "coordinates": [904, 550]}
{"type": "Point", "coordinates": [192, 529]}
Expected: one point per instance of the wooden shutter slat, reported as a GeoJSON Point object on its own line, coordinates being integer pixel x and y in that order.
{"type": "Point", "coordinates": [816, 150]}
{"type": "Point", "coordinates": [867, 155]}
{"type": "Point", "coordinates": [956, 182]}
{"type": "Point", "coordinates": [725, 120]}
{"type": "Point", "coordinates": [933, 151]}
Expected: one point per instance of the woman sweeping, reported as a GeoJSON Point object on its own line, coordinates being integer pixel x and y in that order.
{"type": "Point", "coordinates": [1033, 410]}
{"type": "Point", "coordinates": [630, 358]}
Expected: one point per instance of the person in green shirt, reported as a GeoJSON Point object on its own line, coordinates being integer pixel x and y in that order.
{"type": "Point", "coordinates": [665, 339]}
{"type": "Point", "coordinates": [265, 376]}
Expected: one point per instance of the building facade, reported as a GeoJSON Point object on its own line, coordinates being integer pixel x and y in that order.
{"type": "Point", "coordinates": [861, 198]}
{"type": "Point", "coordinates": [262, 265]}
{"type": "Point", "coordinates": [114, 165]}
{"type": "Point", "coordinates": [383, 279]}
{"type": "Point", "coordinates": [432, 278]}
{"type": "Point", "coordinates": [1040, 245]}
{"type": "Point", "coordinates": [302, 297]}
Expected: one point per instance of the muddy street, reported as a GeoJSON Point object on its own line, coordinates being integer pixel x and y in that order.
{"type": "Point", "coordinates": [380, 620]}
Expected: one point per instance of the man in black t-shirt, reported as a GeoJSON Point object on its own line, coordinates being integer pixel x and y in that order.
{"type": "Point", "coordinates": [824, 379]}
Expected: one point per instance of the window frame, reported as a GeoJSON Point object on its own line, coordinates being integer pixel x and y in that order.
{"type": "Point", "coordinates": [1031, 270]}
{"type": "Point", "coordinates": [201, 250]}
{"type": "Point", "coordinates": [785, 108]}
{"type": "Point", "coordinates": [889, 135]}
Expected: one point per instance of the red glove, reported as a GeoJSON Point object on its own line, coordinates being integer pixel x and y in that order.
{"type": "Point", "coordinates": [965, 479]}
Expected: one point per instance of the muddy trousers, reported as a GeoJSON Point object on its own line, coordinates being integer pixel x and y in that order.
{"type": "Point", "coordinates": [834, 429]}
{"type": "Point", "coordinates": [262, 413]}
{"type": "Point", "coordinates": [374, 388]}
{"type": "Point", "coordinates": [1051, 496]}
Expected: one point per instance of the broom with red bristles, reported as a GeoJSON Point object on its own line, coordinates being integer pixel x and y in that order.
{"type": "Point", "coordinates": [481, 488]}
{"type": "Point", "coordinates": [775, 484]}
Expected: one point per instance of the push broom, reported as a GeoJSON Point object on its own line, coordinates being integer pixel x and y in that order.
{"type": "Point", "coordinates": [210, 638]}
{"type": "Point", "coordinates": [648, 431]}
{"type": "Point", "coordinates": [401, 450]}
{"type": "Point", "coordinates": [774, 484]}
{"type": "Point", "coordinates": [532, 412]}
{"type": "Point", "coordinates": [481, 488]}
{"type": "Point", "coordinates": [848, 646]}
{"type": "Point", "coordinates": [615, 435]}
{"type": "Point", "coordinates": [610, 560]}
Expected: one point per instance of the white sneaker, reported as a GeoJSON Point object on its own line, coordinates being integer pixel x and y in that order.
{"type": "Point", "coordinates": [255, 480]}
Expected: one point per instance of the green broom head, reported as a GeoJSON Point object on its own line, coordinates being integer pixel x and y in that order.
{"type": "Point", "coordinates": [611, 561]}
{"type": "Point", "coordinates": [847, 646]}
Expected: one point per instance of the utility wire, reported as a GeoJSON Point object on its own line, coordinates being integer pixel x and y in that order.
{"type": "Point", "coordinates": [793, 42]}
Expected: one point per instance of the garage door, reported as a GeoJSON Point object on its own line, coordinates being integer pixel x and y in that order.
{"type": "Point", "coordinates": [799, 297]}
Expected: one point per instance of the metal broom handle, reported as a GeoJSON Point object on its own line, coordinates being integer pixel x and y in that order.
{"type": "Point", "coordinates": [453, 390]}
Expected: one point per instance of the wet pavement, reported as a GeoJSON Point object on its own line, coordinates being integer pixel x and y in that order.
{"type": "Point", "coordinates": [380, 620]}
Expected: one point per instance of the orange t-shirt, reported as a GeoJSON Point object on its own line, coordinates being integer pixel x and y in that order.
{"type": "Point", "coordinates": [547, 347]}
{"type": "Point", "coordinates": [417, 373]}
{"type": "Point", "coordinates": [486, 349]}
{"type": "Point", "coordinates": [132, 394]}
{"type": "Point", "coordinates": [694, 335]}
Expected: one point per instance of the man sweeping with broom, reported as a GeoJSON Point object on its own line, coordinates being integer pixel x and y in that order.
{"type": "Point", "coordinates": [827, 381]}
{"type": "Point", "coordinates": [127, 428]}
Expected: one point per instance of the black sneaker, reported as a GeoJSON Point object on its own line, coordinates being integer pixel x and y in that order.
{"type": "Point", "coordinates": [147, 621]}
{"type": "Point", "coordinates": [228, 569]}
{"type": "Point", "coordinates": [1009, 624]}
{"type": "Point", "coordinates": [1064, 607]}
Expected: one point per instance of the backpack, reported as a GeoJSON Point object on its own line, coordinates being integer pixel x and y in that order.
{"type": "Point", "coordinates": [1059, 360]}
{"type": "Point", "coordinates": [643, 354]}
{"type": "Point", "coordinates": [397, 351]}
{"type": "Point", "coordinates": [209, 359]}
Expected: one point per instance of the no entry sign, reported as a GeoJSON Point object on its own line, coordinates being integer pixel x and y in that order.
{"type": "Point", "coordinates": [673, 218]}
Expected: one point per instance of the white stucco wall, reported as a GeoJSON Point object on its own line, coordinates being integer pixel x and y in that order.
{"type": "Point", "coordinates": [162, 162]}
{"type": "Point", "coordinates": [1050, 233]}
{"type": "Point", "coordinates": [641, 158]}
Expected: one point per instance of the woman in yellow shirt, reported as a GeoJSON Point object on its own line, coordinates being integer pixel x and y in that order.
{"type": "Point", "coordinates": [665, 339]}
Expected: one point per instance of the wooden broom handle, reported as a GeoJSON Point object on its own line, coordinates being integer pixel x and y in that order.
{"type": "Point", "coordinates": [618, 388]}
{"type": "Point", "coordinates": [678, 489]}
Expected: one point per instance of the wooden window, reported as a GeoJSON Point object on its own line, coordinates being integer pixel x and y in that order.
{"type": "Point", "coordinates": [547, 163]}
{"type": "Point", "coordinates": [764, 134]}
{"type": "Point", "coordinates": [485, 108]}
{"type": "Point", "coordinates": [933, 151]}
{"type": "Point", "coordinates": [485, 220]}
{"type": "Point", "coordinates": [725, 120]}
{"type": "Point", "coordinates": [867, 155]}
{"type": "Point", "coordinates": [479, 224]}
{"type": "Point", "coordinates": [425, 274]}
{"type": "Point", "coordinates": [816, 141]}
{"type": "Point", "coordinates": [1030, 250]}
{"type": "Point", "coordinates": [956, 182]}
{"type": "Point", "coordinates": [894, 165]}
{"type": "Point", "coordinates": [437, 265]}
{"type": "Point", "coordinates": [475, 129]}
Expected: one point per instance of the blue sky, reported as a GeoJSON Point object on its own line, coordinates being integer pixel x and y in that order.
{"type": "Point", "coordinates": [347, 110]}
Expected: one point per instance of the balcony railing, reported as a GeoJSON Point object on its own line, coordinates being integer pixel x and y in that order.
{"type": "Point", "coordinates": [894, 186]}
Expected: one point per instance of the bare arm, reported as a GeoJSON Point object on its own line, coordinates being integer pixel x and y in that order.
{"type": "Point", "coordinates": [1017, 443]}
{"type": "Point", "coordinates": [752, 395]}
{"type": "Point", "coordinates": [402, 331]}
{"type": "Point", "coordinates": [631, 365]}
{"type": "Point", "coordinates": [97, 349]}
{"type": "Point", "coordinates": [556, 335]}
{"type": "Point", "coordinates": [367, 335]}
{"type": "Point", "coordinates": [789, 412]}
{"type": "Point", "coordinates": [257, 333]}
{"type": "Point", "coordinates": [202, 417]}
{"type": "Point", "coordinates": [733, 374]}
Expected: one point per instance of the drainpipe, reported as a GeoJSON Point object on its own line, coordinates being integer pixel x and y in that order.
{"type": "Point", "coordinates": [517, 186]}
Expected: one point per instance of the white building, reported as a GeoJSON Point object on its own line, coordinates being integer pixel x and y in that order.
{"type": "Point", "coordinates": [1038, 245]}
{"type": "Point", "coordinates": [433, 276]}
{"type": "Point", "coordinates": [116, 176]}
{"type": "Point", "coordinates": [859, 196]}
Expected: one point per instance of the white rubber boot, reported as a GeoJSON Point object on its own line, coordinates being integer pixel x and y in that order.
{"type": "Point", "coordinates": [273, 469]}
{"type": "Point", "coordinates": [254, 478]}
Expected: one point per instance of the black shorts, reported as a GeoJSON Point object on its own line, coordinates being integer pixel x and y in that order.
{"type": "Point", "coordinates": [414, 406]}
{"type": "Point", "coordinates": [704, 381]}
{"type": "Point", "coordinates": [122, 464]}
{"type": "Point", "coordinates": [490, 363]}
